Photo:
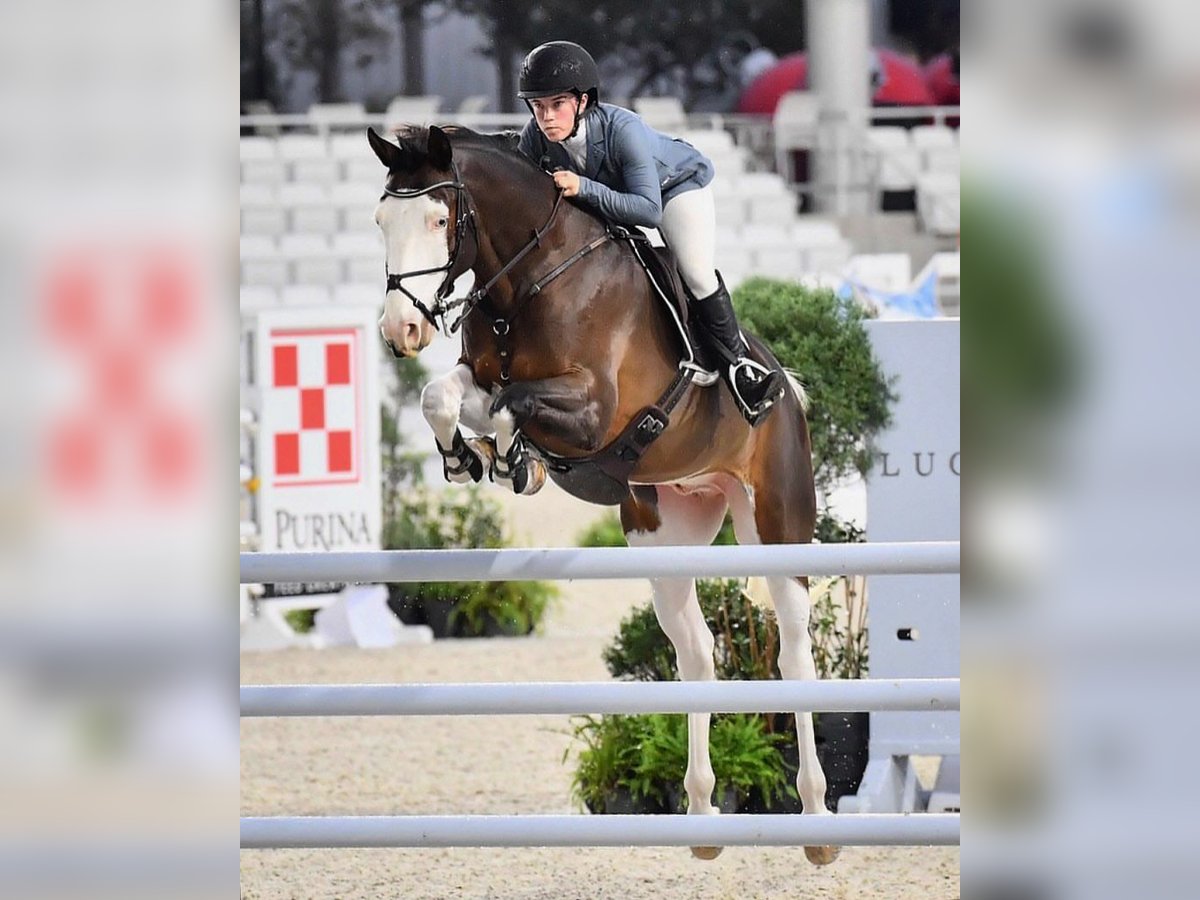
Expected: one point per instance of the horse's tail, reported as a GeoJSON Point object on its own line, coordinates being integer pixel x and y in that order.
{"type": "Point", "coordinates": [797, 388]}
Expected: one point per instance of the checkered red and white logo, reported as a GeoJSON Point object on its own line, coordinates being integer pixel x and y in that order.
{"type": "Point", "coordinates": [313, 400]}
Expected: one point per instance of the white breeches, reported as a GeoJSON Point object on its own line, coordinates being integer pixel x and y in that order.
{"type": "Point", "coordinates": [689, 225]}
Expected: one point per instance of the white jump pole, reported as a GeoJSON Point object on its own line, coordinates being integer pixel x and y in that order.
{"type": "Point", "coordinates": [600, 831]}
{"type": "Point", "coordinates": [912, 558]}
{"type": "Point", "coordinates": [571, 698]}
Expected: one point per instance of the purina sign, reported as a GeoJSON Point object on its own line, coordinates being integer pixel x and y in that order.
{"type": "Point", "coordinates": [318, 437]}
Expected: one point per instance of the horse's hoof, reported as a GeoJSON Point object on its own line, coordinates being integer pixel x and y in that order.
{"type": "Point", "coordinates": [822, 856]}
{"type": "Point", "coordinates": [709, 852]}
{"type": "Point", "coordinates": [537, 478]}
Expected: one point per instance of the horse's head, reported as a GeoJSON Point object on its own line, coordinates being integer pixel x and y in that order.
{"type": "Point", "coordinates": [423, 213]}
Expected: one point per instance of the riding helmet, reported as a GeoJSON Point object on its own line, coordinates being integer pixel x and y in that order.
{"type": "Point", "coordinates": [559, 67]}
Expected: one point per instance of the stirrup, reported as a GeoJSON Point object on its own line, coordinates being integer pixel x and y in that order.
{"type": "Point", "coordinates": [757, 371]}
{"type": "Point", "coordinates": [701, 377]}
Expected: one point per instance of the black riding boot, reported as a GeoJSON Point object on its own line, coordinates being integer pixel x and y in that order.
{"type": "Point", "coordinates": [754, 386]}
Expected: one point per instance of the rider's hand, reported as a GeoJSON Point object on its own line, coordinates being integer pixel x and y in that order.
{"type": "Point", "coordinates": [567, 182]}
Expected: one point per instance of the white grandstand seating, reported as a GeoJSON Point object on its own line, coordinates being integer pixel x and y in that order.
{"type": "Point", "coordinates": [412, 111]}
{"type": "Point", "coordinates": [308, 238]}
{"type": "Point", "coordinates": [795, 127]}
{"type": "Point", "coordinates": [898, 161]}
{"type": "Point", "coordinates": [938, 148]}
{"type": "Point", "coordinates": [346, 115]}
{"type": "Point", "coordinates": [717, 145]}
{"type": "Point", "coordinates": [473, 105]}
{"type": "Point", "coordinates": [938, 202]}
{"type": "Point", "coordinates": [662, 113]}
{"type": "Point", "coordinates": [307, 295]}
{"type": "Point", "coordinates": [883, 271]}
{"type": "Point", "coordinates": [359, 293]}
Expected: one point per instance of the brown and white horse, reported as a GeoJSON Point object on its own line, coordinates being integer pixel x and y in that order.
{"type": "Point", "coordinates": [564, 363]}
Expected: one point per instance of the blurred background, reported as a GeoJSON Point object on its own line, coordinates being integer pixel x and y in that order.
{"type": "Point", "coordinates": [117, 251]}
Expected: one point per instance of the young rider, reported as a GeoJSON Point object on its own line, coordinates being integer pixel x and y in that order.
{"type": "Point", "coordinates": [613, 162]}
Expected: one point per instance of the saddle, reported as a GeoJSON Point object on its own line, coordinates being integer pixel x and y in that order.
{"type": "Point", "coordinates": [660, 267]}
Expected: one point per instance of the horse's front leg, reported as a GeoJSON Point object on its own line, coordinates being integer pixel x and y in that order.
{"type": "Point", "coordinates": [562, 406]}
{"type": "Point", "coordinates": [444, 402]}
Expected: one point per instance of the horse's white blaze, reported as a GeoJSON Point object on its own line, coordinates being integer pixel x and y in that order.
{"type": "Point", "coordinates": [417, 235]}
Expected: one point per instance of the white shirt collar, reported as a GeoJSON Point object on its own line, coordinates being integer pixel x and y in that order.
{"type": "Point", "coordinates": [576, 147]}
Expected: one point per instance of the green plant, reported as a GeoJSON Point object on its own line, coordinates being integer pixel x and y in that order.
{"type": "Point", "coordinates": [416, 517]}
{"type": "Point", "coordinates": [516, 607]}
{"type": "Point", "coordinates": [608, 760]}
{"type": "Point", "coordinates": [821, 337]}
{"type": "Point", "coordinates": [746, 638]}
{"type": "Point", "coordinates": [838, 620]}
{"type": "Point", "coordinates": [607, 532]}
{"type": "Point", "coordinates": [604, 532]}
{"type": "Point", "coordinates": [647, 756]}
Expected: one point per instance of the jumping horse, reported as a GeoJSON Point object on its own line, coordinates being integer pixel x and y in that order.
{"type": "Point", "coordinates": [567, 352]}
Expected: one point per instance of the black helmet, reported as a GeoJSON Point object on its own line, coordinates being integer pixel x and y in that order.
{"type": "Point", "coordinates": [559, 67]}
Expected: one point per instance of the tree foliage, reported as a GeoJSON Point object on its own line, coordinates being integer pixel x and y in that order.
{"type": "Point", "coordinates": [821, 337]}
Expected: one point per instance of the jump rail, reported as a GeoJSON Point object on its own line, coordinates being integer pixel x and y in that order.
{"type": "Point", "coordinates": [599, 831]}
{"type": "Point", "coordinates": [570, 698]}
{"type": "Point", "coordinates": [912, 558]}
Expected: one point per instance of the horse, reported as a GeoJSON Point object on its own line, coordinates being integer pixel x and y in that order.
{"type": "Point", "coordinates": [564, 347]}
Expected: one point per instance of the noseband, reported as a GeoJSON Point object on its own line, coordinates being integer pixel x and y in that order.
{"type": "Point", "coordinates": [395, 281]}
{"type": "Point", "coordinates": [466, 213]}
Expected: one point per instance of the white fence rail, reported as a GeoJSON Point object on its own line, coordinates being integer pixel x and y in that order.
{"type": "Point", "coordinates": [599, 831]}
{"type": "Point", "coordinates": [912, 558]}
{"type": "Point", "coordinates": [570, 698]}
{"type": "Point", "coordinates": [576, 697]}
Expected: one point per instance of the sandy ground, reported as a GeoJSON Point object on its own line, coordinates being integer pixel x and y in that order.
{"type": "Point", "coordinates": [501, 765]}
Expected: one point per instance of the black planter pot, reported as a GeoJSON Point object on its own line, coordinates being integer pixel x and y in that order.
{"type": "Point", "coordinates": [620, 802]}
{"type": "Point", "coordinates": [843, 745]}
{"type": "Point", "coordinates": [406, 608]}
{"type": "Point", "coordinates": [437, 617]}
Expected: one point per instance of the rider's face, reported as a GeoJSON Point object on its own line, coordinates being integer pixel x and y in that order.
{"type": "Point", "coordinates": [556, 115]}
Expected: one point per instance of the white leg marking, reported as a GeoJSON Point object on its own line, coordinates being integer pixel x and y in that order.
{"type": "Point", "coordinates": [693, 518]}
{"type": "Point", "coordinates": [442, 403]}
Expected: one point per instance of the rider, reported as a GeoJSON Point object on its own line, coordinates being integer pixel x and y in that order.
{"type": "Point", "coordinates": [633, 175]}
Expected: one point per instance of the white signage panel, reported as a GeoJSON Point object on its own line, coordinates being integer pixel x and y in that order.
{"type": "Point", "coordinates": [913, 495]}
{"type": "Point", "coordinates": [318, 436]}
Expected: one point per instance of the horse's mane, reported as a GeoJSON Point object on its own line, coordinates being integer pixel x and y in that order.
{"type": "Point", "coordinates": [415, 139]}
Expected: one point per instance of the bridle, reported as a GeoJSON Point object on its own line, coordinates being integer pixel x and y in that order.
{"type": "Point", "coordinates": [466, 214]}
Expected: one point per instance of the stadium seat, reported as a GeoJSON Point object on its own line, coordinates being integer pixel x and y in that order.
{"type": "Point", "coordinates": [938, 203]}
{"type": "Point", "coordinates": [937, 147]}
{"type": "Point", "coordinates": [256, 298]}
{"type": "Point", "coordinates": [307, 295]}
{"type": "Point", "coordinates": [897, 162]}
{"type": "Point", "coordinates": [662, 113]}
{"type": "Point", "coordinates": [412, 111]}
{"type": "Point", "coordinates": [326, 116]}
{"type": "Point", "coordinates": [882, 271]}
{"type": "Point", "coordinates": [358, 294]}
{"type": "Point", "coordinates": [794, 127]}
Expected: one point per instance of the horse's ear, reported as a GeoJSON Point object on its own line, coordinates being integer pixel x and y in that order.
{"type": "Point", "coordinates": [389, 154]}
{"type": "Point", "coordinates": [440, 152]}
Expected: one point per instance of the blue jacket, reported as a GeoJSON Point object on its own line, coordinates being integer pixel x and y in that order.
{"type": "Point", "coordinates": [631, 169]}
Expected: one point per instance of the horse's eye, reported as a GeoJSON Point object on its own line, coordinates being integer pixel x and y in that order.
{"type": "Point", "coordinates": [441, 223]}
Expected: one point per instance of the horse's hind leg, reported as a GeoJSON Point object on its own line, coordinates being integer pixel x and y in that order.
{"type": "Point", "coordinates": [664, 516]}
{"type": "Point", "coordinates": [781, 509]}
